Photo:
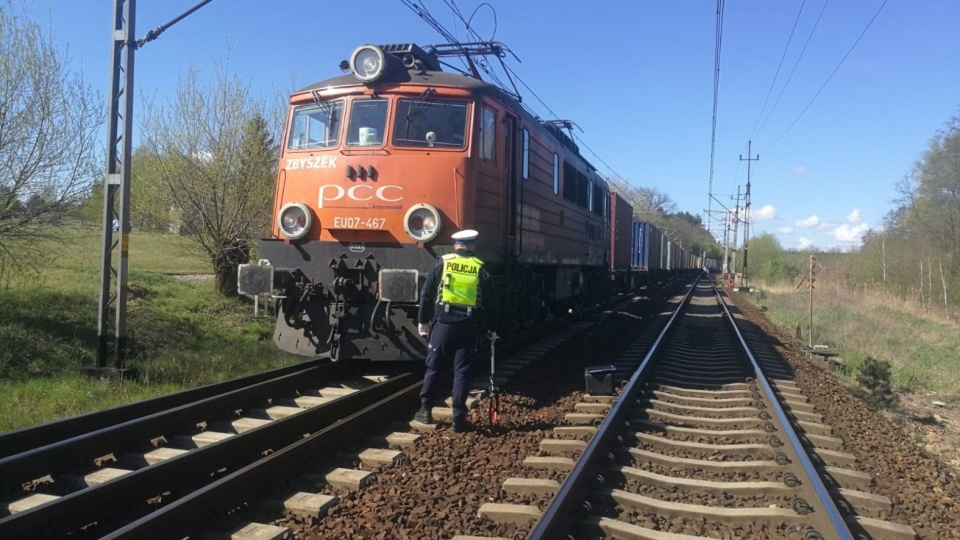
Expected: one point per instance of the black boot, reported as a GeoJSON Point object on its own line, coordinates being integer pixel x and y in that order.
{"type": "Point", "coordinates": [423, 416]}
{"type": "Point", "coordinates": [461, 425]}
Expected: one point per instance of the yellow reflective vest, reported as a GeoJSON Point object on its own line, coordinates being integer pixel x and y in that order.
{"type": "Point", "coordinates": [460, 280]}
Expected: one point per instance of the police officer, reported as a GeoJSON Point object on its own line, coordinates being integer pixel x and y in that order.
{"type": "Point", "coordinates": [458, 296]}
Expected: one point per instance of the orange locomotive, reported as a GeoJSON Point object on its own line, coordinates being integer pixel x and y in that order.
{"type": "Point", "coordinates": [380, 166]}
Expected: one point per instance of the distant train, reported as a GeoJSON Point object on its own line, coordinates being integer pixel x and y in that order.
{"type": "Point", "coordinates": [379, 167]}
{"type": "Point", "coordinates": [641, 255]}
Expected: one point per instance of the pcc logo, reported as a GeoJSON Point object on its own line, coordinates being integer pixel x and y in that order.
{"type": "Point", "coordinates": [360, 193]}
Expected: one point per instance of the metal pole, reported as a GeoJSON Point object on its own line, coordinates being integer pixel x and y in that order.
{"type": "Point", "coordinates": [733, 251]}
{"type": "Point", "coordinates": [746, 213]}
{"type": "Point", "coordinates": [112, 338]}
{"type": "Point", "coordinates": [810, 276]}
{"type": "Point", "coordinates": [725, 268]}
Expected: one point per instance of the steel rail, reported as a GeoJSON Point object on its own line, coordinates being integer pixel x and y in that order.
{"type": "Point", "coordinates": [21, 440]}
{"type": "Point", "coordinates": [563, 510]}
{"type": "Point", "coordinates": [823, 495]}
{"type": "Point", "coordinates": [54, 519]}
{"type": "Point", "coordinates": [189, 514]}
{"type": "Point", "coordinates": [81, 450]}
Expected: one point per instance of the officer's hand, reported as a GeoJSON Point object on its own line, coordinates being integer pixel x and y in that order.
{"type": "Point", "coordinates": [491, 335]}
{"type": "Point", "coordinates": [424, 329]}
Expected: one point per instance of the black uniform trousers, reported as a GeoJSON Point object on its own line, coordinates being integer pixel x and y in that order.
{"type": "Point", "coordinates": [457, 341]}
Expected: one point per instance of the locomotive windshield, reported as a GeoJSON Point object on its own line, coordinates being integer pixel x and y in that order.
{"type": "Point", "coordinates": [316, 126]}
{"type": "Point", "coordinates": [367, 120]}
{"type": "Point", "coordinates": [430, 124]}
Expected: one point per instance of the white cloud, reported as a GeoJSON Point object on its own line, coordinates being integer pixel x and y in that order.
{"type": "Point", "coordinates": [811, 221]}
{"type": "Point", "coordinates": [785, 230]}
{"type": "Point", "coordinates": [765, 213]}
{"type": "Point", "coordinates": [798, 170]}
{"type": "Point", "coordinates": [804, 243]}
{"type": "Point", "coordinates": [854, 217]}
{"type": "Point", "coordinates": [850, 233]}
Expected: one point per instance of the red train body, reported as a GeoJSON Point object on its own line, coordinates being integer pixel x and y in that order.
{"type": "Point", "coordinates": [378, 168]}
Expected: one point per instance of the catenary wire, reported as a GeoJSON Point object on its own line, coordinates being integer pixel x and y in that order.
{"type": "Point", "coordinates": [716, 100]}
{"type": "Point", "coordinates": [794, 70]}
{"type": "Point", "coordinates": [777, 73]}
{"type": "Point", "coordinates": [799, 116]}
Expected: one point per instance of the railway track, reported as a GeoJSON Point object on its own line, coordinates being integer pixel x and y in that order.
{"type": "Point", "coordinates": [162, 467]}
{"type": "Point", "coordinates": [171, 446]}
{"type": "Point", "coordinates": [700, 443]}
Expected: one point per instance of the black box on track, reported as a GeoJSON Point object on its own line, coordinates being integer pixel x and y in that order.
{"type": "Point", "coordinates": [599, 380]}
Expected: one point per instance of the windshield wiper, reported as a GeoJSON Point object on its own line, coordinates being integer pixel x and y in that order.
{"type": "Point", "coordinates": [419, 106]}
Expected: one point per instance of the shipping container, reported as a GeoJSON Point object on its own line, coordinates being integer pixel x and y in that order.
{"type": "Point", "coordinates": [621, 218]}
{"type": "Point", "coordinates": [646, 247]}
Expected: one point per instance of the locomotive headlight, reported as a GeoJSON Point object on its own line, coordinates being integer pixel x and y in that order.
{"type": "Point", "coordinates": [422, 222]}
{"type": "Point", "coordinates": [367, 63]}
{"type": "Point", "coordinates": [294, 219]}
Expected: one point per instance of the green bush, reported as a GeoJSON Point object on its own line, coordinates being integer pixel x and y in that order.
{"type": "Point", "coordinates": [875, 379]}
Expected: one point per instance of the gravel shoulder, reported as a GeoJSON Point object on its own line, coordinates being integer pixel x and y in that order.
{"type": "Point", "coordinates": [923, 486]}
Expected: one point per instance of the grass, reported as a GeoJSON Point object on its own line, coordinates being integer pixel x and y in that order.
{"type": "Point", "coordinates": [922, 347]}
{"type": "Point", "coordinates": [181, 333]}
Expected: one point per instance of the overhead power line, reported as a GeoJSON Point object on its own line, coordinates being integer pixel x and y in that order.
{"type": "Point", "coordinates": [795, 64]}
{"type": "Point", "coordinates": [842, 60]}
{"type": "Point", "coordinates": [777, 73]}
{"type": "Point", "coordinates": [716, 102]}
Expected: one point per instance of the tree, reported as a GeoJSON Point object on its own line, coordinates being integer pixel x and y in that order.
{"type": "Point", "coordinates": [767, 259]}
{"type": "Point", "coordinates": [212, 158]}
{"type": "Point", "coordinates": [919, 247]}
{"type": "Point", "coordinates": [695, 220]}
{"type": "Point", "coordinates": [49, 130]}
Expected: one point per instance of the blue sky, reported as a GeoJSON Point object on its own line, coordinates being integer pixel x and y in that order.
{"type": "Point", "coordinates": [636, 76]}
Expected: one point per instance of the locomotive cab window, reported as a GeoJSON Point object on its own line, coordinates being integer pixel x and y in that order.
{"type": "Point", "coordinates": [368, 117]}
{"type": "Point", "coordinates": [488, 132]}
{"type": "Point", "coordinates": [526, 155]}
{"type": "Point", "coordinates": [583, 190]}
{"type": "Point", "coordinates": [430, 124]}
{"type": "Point", "coordinates": [596, 202]}
{"type": "Point", "coordinates": [316, 125]}
{"type": "Point", "coordinates": [556, 174]}
{"type": "Point", "coordinates": [569, 182]}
